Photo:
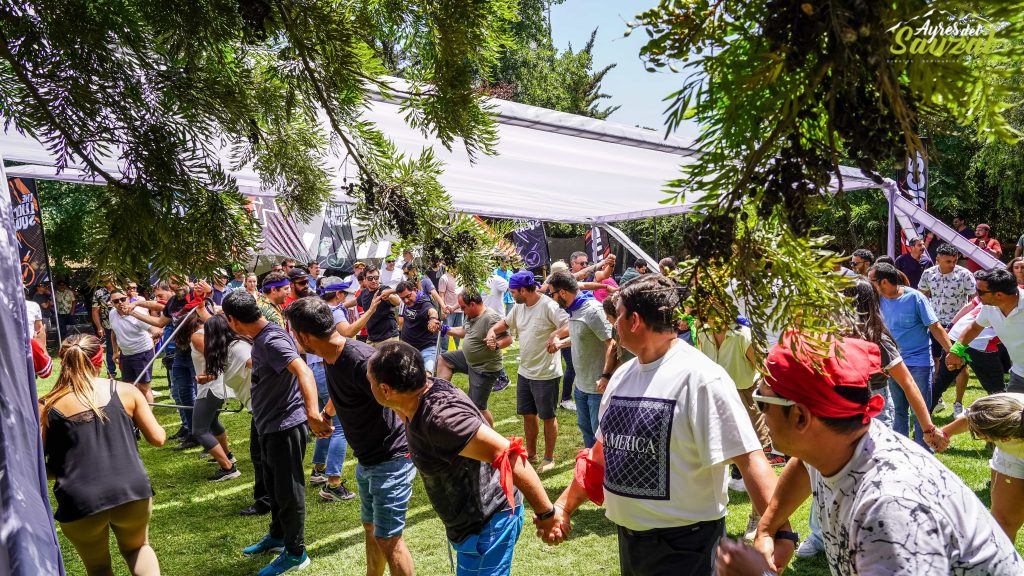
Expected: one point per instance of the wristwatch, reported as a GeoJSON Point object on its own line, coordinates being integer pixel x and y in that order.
{"type": "Point", "coordinates": [786, 535]}
{"type": "Point", "coordinates": [606, 375]}
{"type": "Point", "coordinates": [544, 516]}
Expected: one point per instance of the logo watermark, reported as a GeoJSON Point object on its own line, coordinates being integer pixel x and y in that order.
{"type": "Point", "coordinates": [941, 35]}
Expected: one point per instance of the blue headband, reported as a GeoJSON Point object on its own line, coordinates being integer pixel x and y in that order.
{"type": "Point", "coordinates": [333, 288]}
{"type": "Point", "coordinates": [268, 286]}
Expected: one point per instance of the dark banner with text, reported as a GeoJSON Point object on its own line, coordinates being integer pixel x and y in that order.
{"type": "Point", "coordinates": [28, 226]}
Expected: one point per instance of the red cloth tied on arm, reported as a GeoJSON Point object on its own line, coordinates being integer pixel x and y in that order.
{"type": "Point", "coordinates": [589, 475]}
{"type": "Point", "coordinates": [504, 464]}
{"type": "Point", "coordinates": [797, 379]}
{"type": "Point", "coordinates": [41, 361]}
{"type": "Point", "coordinates": [194, 299]}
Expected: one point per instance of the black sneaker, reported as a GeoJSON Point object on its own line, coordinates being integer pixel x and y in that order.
{"type": "Point", "coordinates": [254, 510]}
{"type": "Point", "coordinates": [337, 493]}
{"type": "Point", "coordinates": [180, 434]}
{"type": "Point", "coordinates": [221, 474]}
{"type": "Point", "coordinates": [186, 444]}
{"type": "Point", "coordinates": [502, 382]}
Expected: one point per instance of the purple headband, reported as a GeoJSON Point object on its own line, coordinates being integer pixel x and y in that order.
{"type": "Point", "coordinates": [334, 288]}
{"type": "Point", "coordinates": [267, 287]}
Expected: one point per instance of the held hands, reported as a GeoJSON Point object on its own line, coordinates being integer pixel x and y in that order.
{"type": "Point", "coordinates": [954, 362]}
{"type": "Point", "coordinates": [320, 425]}
{"type": "Point", "coordinates": [204, 378]}
{"type": "Point", "coordinates": [434, 325]}
{"type": "Point", "coordinates": [553, 343]}
{"type": "Point", "coordinates": [936, 439]}
{"type": "Point", "coordinates": [602, 383]}
{"type": "Point", "coordinates": [736, 559]}
{"type": "Point", "coordinates": [556, 529]}
{"type": "Point", "coordinates": [491, 340]}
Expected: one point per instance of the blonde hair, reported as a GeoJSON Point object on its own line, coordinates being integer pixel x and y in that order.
{"type": "Point", "coordinates": [996, 418]}
{"type": "Point", "coordinates": [559, 266]}
{"type": "Point", "coordinates": [76, 373]}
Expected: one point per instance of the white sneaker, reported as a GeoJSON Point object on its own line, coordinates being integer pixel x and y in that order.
{"type": "Point", "coordinates": [939, 408]}
{"type": "Point", "coordinates": [737, 485]}
{"type": "Point", "coordinates": [568, 405]}
{"type": "Point", "coordinates": [810, 547]}
{"type": "Point", "coordinates": [751, 531]}
{"type": "Point", "coordinates": [958, 410]}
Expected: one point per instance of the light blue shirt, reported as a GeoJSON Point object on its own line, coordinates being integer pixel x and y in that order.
{"type": "Point", "coordinates": [506, 274]}
{"type": "Point", "coordinates": [908, 317]}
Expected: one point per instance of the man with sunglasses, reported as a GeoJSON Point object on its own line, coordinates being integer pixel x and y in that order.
{"type": "Point", "coordinates": [886, 506]}
{"type": "Point", "coordinates": [383, 325]}
{"type": "Point", "coordinates": [299, 281]}
{"type": "Point", "coordinates": [670, 425]}
{"type": "Point", "coordinates": [133, 345]}
{"type": "Point", "coordinates": [1003, 310]}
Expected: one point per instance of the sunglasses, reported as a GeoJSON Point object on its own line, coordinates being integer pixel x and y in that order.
{"type": "Point", "coordinates": [763, 401]}
{"type": "Point", "coordinates": [372, 278]}
{"type": "Point", "coordinates": [117, 300]}
{"type": "Point", "coordinates": [983, 292]}
{"type": "Point", "coordinates": [301, 282]}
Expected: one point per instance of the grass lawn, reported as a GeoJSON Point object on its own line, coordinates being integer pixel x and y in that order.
{"type": "Point", "coordinates": [196, 528]}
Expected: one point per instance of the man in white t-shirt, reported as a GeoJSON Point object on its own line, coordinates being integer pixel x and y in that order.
{"type": "Point", "coordinates": [494, 294]}
{"type": "Point", "coordinates": [390, 275]}
{"type": "Point", "coordinates": [670, 425]}
{"type": "Point", "coordinates": [1003, 310]}
{"type": "Point", "coordinates": [133, 344]}
{"type": "Point", "coordinates": [886, 505]}
{"type": "Point", "coordinates": [537, 320]}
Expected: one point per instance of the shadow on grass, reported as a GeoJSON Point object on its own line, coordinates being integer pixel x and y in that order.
{"type": "Point", "coordinates": [592, 521]}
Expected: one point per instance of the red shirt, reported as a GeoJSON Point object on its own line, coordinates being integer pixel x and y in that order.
{"type": "Point", "coordinates": [992, 245]}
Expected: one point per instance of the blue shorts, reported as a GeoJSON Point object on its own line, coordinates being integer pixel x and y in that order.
{"type": "Point", "coordinates": [489, 552]}
{"type": "Point", "coordinates": [384, 491]}
{"type": "Point", "coordinates": [429, 358]}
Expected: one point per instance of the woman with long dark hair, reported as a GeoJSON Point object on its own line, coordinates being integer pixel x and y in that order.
{"type": "Point", "coordinates": [90, 448]}
{"type": "Point", "coordinates": [210, 396]}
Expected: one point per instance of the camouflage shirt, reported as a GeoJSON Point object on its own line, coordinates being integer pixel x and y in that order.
{"type": "Point", "coordinates": [272, 312]}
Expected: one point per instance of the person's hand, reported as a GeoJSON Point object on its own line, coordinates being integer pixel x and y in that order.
{"type": "Point", "coordinates": [554, 530]}
{"type": "Point", "coordinates": [99, 332]}
{"type": "Point", "coordinates": [117, 358]}
{"type": "Point", "coordinates": [936, 439]}
{"type": "Point", "coordinates": [552, 345]}
{"type": "Point", "coordinates": [204, 378]}
{"type": "Point", "coordinates": [374, 303]}
{"type": "Point", "coordinates": [205, 287]}
{"type": "Point", "coordinates": [321, 427]}
{"type": "Point", "coordinates": [954, 362]}
{"type": "Point", "coordinates": [434, 325]}
{"type": "Point", "coordinates": [447, 309]}
{"type": "Point", "coordinates": [735, 559]}
{"type": "Point", "coordinates": [491, 340]}
{"type": "Point", "coordinates": [602, 383]}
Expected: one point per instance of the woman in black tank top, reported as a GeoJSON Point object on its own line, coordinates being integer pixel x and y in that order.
{"type": "Point", "coordinates": [91, 454]}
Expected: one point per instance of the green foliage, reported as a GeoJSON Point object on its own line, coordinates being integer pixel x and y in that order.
{"type": "Point", "coordinates": [146, 93]}
{"type": "Point", "coordinates": [786, 89]}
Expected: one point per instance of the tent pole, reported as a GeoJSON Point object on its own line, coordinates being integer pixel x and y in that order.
{"type": "Point", "coordinates": [656, 255]}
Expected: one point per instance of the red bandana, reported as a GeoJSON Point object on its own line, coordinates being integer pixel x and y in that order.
{"type": "Point", "coordinates": [504, 464]}
{"type": "Point", "coordinates": [97, 359]}
{"type": "Point", "coordinates": [798, 380]}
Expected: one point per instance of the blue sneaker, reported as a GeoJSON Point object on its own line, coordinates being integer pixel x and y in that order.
{"type": "Point", "coordinates": [285, 563]}
{"type": "Point", "coordinates": [265, 545]}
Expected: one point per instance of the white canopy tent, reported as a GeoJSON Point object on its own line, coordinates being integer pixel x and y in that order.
{"type": "Point", "coordinates": [549, 166]}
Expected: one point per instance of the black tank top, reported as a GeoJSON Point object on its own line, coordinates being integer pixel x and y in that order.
{"type": "Point", "coordinates": [96, 463]}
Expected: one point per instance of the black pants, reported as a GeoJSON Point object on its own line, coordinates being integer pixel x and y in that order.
{"type": "Point", "coordinates": [283, 453]}
{"type": "Point", "coordinates": [683, 551]}
{"type": "Point", "coordinates": [987, 366]}
{"type": "Point", "coordinates": [260, 496]}
{"type": "Point", "coordinates": [570, 375]}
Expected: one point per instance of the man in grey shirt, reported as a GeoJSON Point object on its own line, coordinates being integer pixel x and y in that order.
{"type": "Point", "coordinates": [481, 362]}
{"type": "Point", "coordinates": [590, 337]}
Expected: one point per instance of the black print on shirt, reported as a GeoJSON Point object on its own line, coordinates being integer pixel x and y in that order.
{"type": "Point", "coordinates": [636, 435]}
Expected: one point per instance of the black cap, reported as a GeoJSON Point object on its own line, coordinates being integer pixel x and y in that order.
{"type": "Point", "coordinates": [297, 273]}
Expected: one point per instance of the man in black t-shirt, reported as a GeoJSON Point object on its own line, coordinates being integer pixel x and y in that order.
{"type": "Point", "coordinates": [383, 325]}
{"type": "Point", "coordinates": [284, 398]}
{"type": "Point", "coordinates": [420, 322]}
{"type": "Point", "coordinates": [376, 435]}
{"type": "Point", "coordinates": [453, 448]}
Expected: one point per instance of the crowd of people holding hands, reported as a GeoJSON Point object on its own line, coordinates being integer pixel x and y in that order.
{"type": "Point", "coordinates": [673, 414]}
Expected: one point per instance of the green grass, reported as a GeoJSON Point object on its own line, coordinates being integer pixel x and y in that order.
{"type": "Point", "coordinates": [196, 528]}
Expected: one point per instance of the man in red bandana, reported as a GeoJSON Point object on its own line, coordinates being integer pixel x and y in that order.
{"type": "Point", "coordinates": [886, 505]}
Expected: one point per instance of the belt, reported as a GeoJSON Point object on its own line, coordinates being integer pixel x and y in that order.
{"type": "Point", "coordinates": [656, 532]}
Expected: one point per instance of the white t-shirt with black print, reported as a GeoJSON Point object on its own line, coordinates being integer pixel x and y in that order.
{"type": "Point", "coordinates": [948, 292]}
{"type": "Point", "coordinates": [669, 430]}
{"type": "Point", "coordinates": [895, 509]}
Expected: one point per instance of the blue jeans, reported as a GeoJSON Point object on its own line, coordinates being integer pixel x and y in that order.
{"type": "Point", "coordinates": [384, 491]}
{"type": "Point", "coordinates": [183, 387]}
{"type": "Point", "coordinates": [489, 552]}
{"type": "Point", "coordinates": [454, 320]}
{"type": "Point", "coordinates": [885, 417]}
{"type": "Point", "coordinates": [587, 406]}
{"type": "Point", "coordinates": [901, 407]}
{"type": "Point", "coordinates": [429, 355]}
{"type": "Point", "coordinates": [329, 451]}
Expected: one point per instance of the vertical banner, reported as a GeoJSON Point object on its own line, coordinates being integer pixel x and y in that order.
{"type": "Point", "coordinates": [531, 244]}
{"type": "Point", "coordinates": [596, 245]}
{"type": "Point", "coordinates": [336, 247]}
{"type": "Point", "coordinates": [913, 183]}
{"type": "Point", "coordinates": [28, 225]}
